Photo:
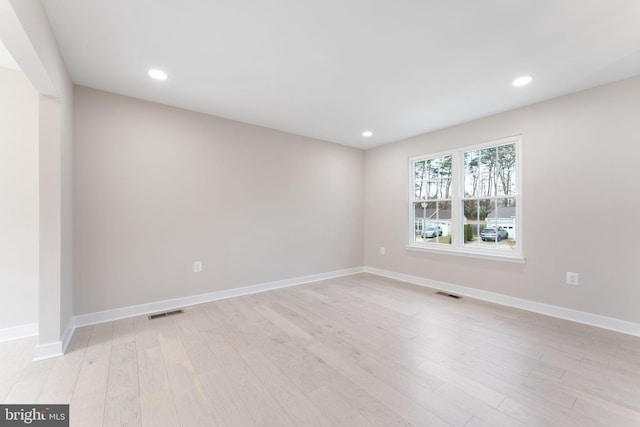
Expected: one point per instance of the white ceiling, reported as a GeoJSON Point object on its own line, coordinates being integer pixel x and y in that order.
{"type": "Point", "coordinates": [330, 69]}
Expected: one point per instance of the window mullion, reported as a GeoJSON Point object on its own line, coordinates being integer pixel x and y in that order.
{"type": "Point", "coordinates": [457, 238]}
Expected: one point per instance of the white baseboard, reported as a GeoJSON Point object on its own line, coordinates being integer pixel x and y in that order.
{"type": "Point", "coordinates": [56, 348]}
{"type": "Point", "coordinates": [68, 333]}
{"type": "Point", "coordinates": [172, 304]}
{"type": "Point", "coordinates": [597, 320]}
{"type": "Point", "coordinates": [47, 351]}
{"type": "Point", "coordinates": [21, 331]}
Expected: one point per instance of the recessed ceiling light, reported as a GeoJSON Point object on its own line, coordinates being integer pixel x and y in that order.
{"type": "Point", "coordinates": [367, 134]}
{"type": "Point", "coordinates": [522, 81]}
{"type": "Point", "coordinates": [158, 74]}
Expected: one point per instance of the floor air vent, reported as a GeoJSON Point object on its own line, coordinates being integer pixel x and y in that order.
{"type": "Point", "coordinates": [165, 314]}
{"type": "Point", "coordinates": [444, 294]}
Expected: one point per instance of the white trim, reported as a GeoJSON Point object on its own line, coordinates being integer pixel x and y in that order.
{"type": "Point", "coordinates": [47, 351]}
{"type": "Point", "coordinates": [517, 138]}
{"type": "Point", "coordinates": [172, 304]}
{"type": "Point", "coordinates": [19, 44]}
{"type": "Point", "coordinates": [56, 348]}
{"type": "Point", "coordinates": [597, 320]}
{"type": "Point", "coordinates": [452, 251]}
{"type": "Point", "coordinates": [20, 331]}
{"type": "Point", "coordinates": [68, 333]}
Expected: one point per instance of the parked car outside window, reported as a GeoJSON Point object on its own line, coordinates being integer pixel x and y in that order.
{"type": "Point", "coordinates": [493, 234]}
{"type": "Point", "coordinates": [432, 231]}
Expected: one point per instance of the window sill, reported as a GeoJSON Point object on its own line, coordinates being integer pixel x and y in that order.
{"type": "Point", "coordinates": [468, 253]}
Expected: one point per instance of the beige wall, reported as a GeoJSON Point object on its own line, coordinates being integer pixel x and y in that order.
{"type": "Point", "coordinates": [19, 200]}
{"type": "Point", "coordinates": [157, 188]}
{"type": "Point", "coordinates": [580, 203]}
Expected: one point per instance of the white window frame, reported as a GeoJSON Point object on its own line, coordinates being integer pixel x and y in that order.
{"type": "Point", "coordinates": [457, 246]}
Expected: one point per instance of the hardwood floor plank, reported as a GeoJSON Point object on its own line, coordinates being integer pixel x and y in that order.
{"type": "Point", "coordinates": [625, 365]}
{"type": "Point", "coordinates": [189, 397]}
{"type": "Point", "coordinates": [606, 384]}
{"type": "Point", "coordinates": [346, 404]}
{"type": "Point", "coordinates": [297, 406]}
{"type": "Point", "coordinates": [535, 416]}
{"type": "Point", "coordinates": [338, 408]}
{"type": "Point", "coordinates": [89, 395]}
{"type": "Point", "coordinates": [123, 331]}
{"type": "Point", "coordinates": [593, 411]}
{"type": "Point", "coordinates": [122, 406]}
{"type": "Point", "coordinates": [358, 350]}
{"type": "Point", "coordinates": [474, 388]}
{"type": "Point", "coordinates": [31, 383]}
{"type": "Point", "coordinates": [417, 390]}
{"type": "Point", "coordinates": [199, 354]}
{"type": "Point", "coordinates": [15, 356]}
{"type": "Point", "coordinates": [399, 403]}
{"type": "Point", "coordinates": [532, 389]}
{"type": "Point", "coordinates": [483, 414]}
{"type": "Point", "coordinates": [224, 399]}
{"type": "Point", "coordinates": [283, 323]}
{"type": "Point", "coordinates": [251, 396]}
{"type": "Point", "coordinates": [157, 407]}
{"type": "Point", "coordinates": [146, 335]}
{"type": "Point", "coordinates": [303, 368]}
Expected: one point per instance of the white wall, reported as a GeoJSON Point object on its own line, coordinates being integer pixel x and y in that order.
{"type": "Point", "coordinates": [25, 31]}
{"type": "Point", "coordinates": [18, 200]}
{"type": "Point", "coordinates": [157, 188]}
{"type": "Point", "coordinates": [580, 172]}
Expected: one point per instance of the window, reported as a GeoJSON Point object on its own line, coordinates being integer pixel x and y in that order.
{"type": "Point", "coordinates": [467, 201]}
{"type": "Point", "coordinates": [432, 201]}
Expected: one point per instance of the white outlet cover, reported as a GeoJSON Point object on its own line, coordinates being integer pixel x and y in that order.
{"type": "Point", "coordinates": [572, 278]}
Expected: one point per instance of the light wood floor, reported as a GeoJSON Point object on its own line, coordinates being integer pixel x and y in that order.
{"type": "Point", "coordinates": [355, 351]}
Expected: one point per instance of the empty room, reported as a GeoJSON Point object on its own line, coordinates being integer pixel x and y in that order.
{"type": "Point", "coordinates": [337, 213]}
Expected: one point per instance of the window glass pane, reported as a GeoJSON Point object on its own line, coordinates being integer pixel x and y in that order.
{"type": "Point", "coordinates": [506, 171]}
{"type": "Point", "coordinates": [490, 171]}
{"type": "Point", "coordinates": [475, 213]}
{"type": "Point", "coordinates": [501, 225]}
{"type": "Point", "coordinates": [443, 222]}
{"type": "Point", "coordinates": [487, 172]}
{"type": "Point", "coordinates": [432, 222]}
{"type": "Point", "coordinates": [443, 170]}
{"type": "Point", "coordinates": [419, 220]}
{"type": "Point", "coordinates": [419, 174]}
{"type": "Point", "coordinates": [433, 178]}
{"type": "Point", "coordinates": [424, 213]}
{"type": "Point", "coordinates": [471, 173]}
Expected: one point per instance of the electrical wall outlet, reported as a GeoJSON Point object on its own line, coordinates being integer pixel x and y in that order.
{"type": "Point", "coordinates": [572, 278]}
{"type": "Point", "coordinates": [197, 267]}
{"type": "Point", "coordinates": [382, 250]}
